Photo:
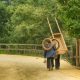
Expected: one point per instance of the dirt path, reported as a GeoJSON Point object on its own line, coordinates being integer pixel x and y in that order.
{"type": "Point", "coordinates": [15, 67]}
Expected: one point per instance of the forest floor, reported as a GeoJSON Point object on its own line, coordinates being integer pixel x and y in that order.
{"type": "Point", "coordinates": [16, 67]}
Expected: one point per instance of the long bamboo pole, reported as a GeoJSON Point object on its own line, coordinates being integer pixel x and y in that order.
{"type": "Point", "coordinates": [50, 27]}
{"type": "Point", "coordinates": [58, 25]}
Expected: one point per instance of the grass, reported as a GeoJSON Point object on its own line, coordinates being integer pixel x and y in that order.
{"type": "Point", "coordinates": [26, 53]}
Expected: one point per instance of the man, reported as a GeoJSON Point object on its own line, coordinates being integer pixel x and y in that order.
{"type": "Point", "coordinates": [57, 61]}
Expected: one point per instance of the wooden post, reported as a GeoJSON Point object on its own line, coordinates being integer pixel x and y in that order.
{"type": "Point", "coordinates": [77, 53]}
{"type": "Point", "coordinates": [71, 54]}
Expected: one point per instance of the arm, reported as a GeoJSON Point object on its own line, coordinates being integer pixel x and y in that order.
{"type": "Point", "coordinates": [44, 56]}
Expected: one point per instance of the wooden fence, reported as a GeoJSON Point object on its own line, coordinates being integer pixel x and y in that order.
{"type": "Point", "coordinates": [26, 49]}
{"type": "Point", "coordinates": [74, 53]}
{"type": "Point", "coordinates": [36, 50]}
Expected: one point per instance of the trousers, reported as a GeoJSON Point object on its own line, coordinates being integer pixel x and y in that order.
{"type": "Point", "coordinates": [50, 62]}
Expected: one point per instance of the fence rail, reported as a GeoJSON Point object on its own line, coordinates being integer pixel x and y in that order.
{"type": "Point", "coordinates": [31, 49]}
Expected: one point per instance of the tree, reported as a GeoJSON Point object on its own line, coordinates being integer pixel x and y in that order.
{"type": "Point", "coordinates": [4, 18]}
{"type": "Point", "coordinates": [70, 16]}
{"type": "Point", "coordinates": [33, 19]}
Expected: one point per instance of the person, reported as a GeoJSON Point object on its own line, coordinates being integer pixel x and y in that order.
{"type": "Point", "coordinates": [57, 61]}
{"type": "Point", "coordinates": [49, 54]}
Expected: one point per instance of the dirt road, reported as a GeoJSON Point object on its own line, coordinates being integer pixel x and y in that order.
{"type": "Point", "coordinates": [16, 67]}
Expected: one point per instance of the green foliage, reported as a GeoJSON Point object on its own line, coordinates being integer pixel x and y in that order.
{"type": "Point", "coordinates": [28, 22]}
{"type": "Point", "coordinates": [24, 21]}
{"type": "Point", "coordinates": [4, 18]}
{"type": "Point", "coordinates": [70, 16]}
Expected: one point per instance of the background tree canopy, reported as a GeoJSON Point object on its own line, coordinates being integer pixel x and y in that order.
{"type": "Point", "coordinates": [24, 21]}
{"type": "Point", "coordinates": [70, 17]}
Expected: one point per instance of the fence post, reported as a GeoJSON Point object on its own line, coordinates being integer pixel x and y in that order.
{"type": "Point", "coordinates": [77, 52]}
{"type": "Point", "coordinates": [72, 55]}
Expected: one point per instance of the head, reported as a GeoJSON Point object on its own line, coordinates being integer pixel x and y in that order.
{"type": "Point", "coordinates": [48, 43]}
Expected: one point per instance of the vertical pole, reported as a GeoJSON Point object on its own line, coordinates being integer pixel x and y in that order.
{"type": "Point", "coordinates": [58, 25]}
{"type": "Point", "coordinates": [50, 27]}
{"type": "Point", "coordinates": [71, 55]}
{"type": "Point", "coordinates": [77, 53]}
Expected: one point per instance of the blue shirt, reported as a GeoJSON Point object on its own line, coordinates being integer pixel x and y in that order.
{"type": "Point", "coordinates": [50, 53]}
